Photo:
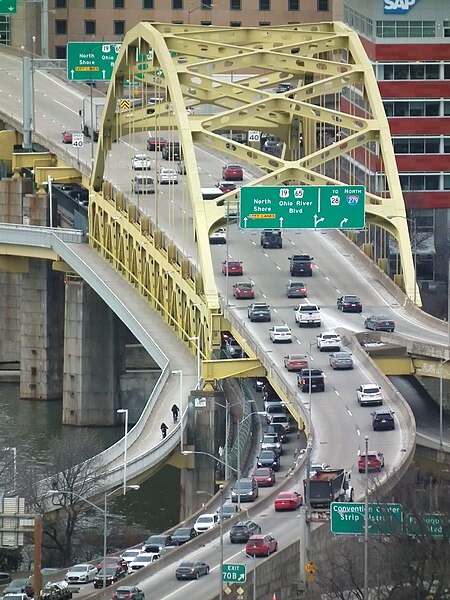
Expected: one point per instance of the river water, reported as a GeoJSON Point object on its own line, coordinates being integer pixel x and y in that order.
{"type": "Point", "coordinates": [28, 424]}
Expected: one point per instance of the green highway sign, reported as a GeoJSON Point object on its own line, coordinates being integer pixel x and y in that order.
{"type": "Point", "coordinates": [234, 573]}
{"type": "Point", "coordinates": [433, 525]}
{"type": "Point", "coordinates": [302, 207]}
{"type": "Point", "coordinates": [8, 7]}
{"type": "Point", "coordinates": [347, 518]}
{"type": "Point", "coordinates": [91, 61]}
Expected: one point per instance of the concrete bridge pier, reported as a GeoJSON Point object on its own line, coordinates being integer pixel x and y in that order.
{"type": "Point", "coordinates": [92, 358]}
{"type": "Point", "coordinates": [205, 433]}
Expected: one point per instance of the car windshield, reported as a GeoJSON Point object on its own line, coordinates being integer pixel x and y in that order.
{"type": "Point", "coordinates": [107, 571]}
{"type": "Point", "coordinates": [78, 569]}
{"type": "Point", "coordinates": [266, 454]}
{"type": "Point", "coordinates": [128, 553]}
{"type": "Point", "coordinates": [144, 559]}
{"type": "Point", "coordinates": [204, 519]}
{"type": "Point", "coordinates": [262, 473]}
{"type": "Point", "coordinates": [182, 531]}
{"type": "Point", "coordinates": [244, 485]}
{"type": "Point", "coordinates": [341, 355]}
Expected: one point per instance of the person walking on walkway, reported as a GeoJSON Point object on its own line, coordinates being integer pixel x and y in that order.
{"type": "Point", "coordinates": [164, 429]}
{"type": "Point", "coordinates": [175, 410]}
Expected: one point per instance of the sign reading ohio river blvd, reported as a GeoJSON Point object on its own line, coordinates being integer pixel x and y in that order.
{"type": "Point", "coordinates": [302, 207]}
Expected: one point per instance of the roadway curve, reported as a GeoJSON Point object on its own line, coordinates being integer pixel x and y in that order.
{"type": "Point", "coordinates": [335, 272]}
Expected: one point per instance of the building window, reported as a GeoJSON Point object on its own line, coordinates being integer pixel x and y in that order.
{"type": "Point", "coordinates": [358, 21]}
{"type": "Point", "coordinates": [205, 22]}
{"type": "Point", "coordinates": [119, 27]}
{"type": "Point", "coordinates": [406, 29]}
{"type": "Point", "coordinates": [415, 108]}
{"type": "Point", "coordinates": [322, 5]}
{"type": "Point", "coordinates": [178, 4]}
{"type": "Point", "coordinates": [60, 26]}
{"type": "Point", "coordinates": [264, 4]}
{"type": "Point", "coordinates": [89, 3]}
{"type": "Point", "coordinates": [61, 52]}
{"type": "Point", "coordinates": [119, 4]}
{"type": "Point", "coordinates": [389, 72]}
{"type": "Point", "coordinates": [147, 4]}
{"type": "Point", "coordinates": [5, 30]}
{"type": "Point", "coordinates": [235, 5]}
{"type": "Point", "coordinates": [293, 4]}
{"type": "Point", "coordinates": [421, 145]}
{"type": "Point", "coordinates": [207, 4]}
{"type": "Point", "coordinates": [60, 3]}
{"type": "Point", "coordinates": [235, 24]}
{"type": "Point", "coordinates": [446, 28]}
{"type": "Point", "coordinates": [90, 28]}
{"type": "Point", "coordinates": [264, 24]}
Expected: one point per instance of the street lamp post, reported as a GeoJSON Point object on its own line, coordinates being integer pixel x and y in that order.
{"type": "Point", "coordinates": [125, 412]}
{"type": "Point", "coordinates": [239, 423]}
{"type": "Point", "coordinates": [103, 510]}
{"type": "Point", "coordinates": [196, 339]}
{"type": "Point", "coordinates": [33, 107]}
{"type": "Point", "coordinates": [203, 5]}
{"type": "Point", "coordinates": [180, 402]}
{"type": "Point", "coordinates": [221, 543]}
{"type": "Point", "coordinates": [366, 521]}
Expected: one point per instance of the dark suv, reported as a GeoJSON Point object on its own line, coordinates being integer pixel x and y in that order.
{"type": "Point", "coordinates": [171, 151]}
{"type": "Point", "coordinates": [271, 238]}
{"type": "Point", "coordinates": [243, 530]}
{"type": "Point", "coordinates": [383, 419]}
{"type": "Point", "coordinates": [246, 488]}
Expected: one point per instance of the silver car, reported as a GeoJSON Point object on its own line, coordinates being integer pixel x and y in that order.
{"type": "Point", "coordinates": [341, 360]}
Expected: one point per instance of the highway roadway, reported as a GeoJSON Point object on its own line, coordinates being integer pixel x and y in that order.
{"type": "Point", "coordinates": [339, 423]}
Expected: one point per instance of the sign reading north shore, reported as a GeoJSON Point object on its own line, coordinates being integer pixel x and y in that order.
{"type": "Point", "coordinates": [433, 525]}
{"type": "Point", "coordinates": [8, 7]}
{"type": "Point", "coordinates": [234, 573]}
{"type": "Point", "coordinates": [91, 61]}
{"type": "Point", "coordinates": [302, 207]}
{"type": "Point", "coordinates": [347, 518]}
{"type": "Point", "coordinates": [398, 7]}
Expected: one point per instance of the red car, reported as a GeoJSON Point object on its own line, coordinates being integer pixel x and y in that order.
{"type": "Point", "coordinates": [261, 545]}
{"type": "Point", "coordinates": [295, 362]}
{"type": "Point", "coordinates": [264, 477]}
{"type": "Point", "coordinates": [67, 136]}
{"type": "Point", "coordinates": [226, 186]}
{"type": "Point", "coordinates": [234, 172]}
{"type": "Point", "coordinates": [232, 267]}
{"type": "Point", "coordinates": [244, 290]}
{"type": "Point", "coordinates": [288, 501]}
{"type": "Point", "coordinates": [375, 461]}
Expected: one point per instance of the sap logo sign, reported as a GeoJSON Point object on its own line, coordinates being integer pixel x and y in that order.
{"type": "Point", "coordinates": [398, 7]}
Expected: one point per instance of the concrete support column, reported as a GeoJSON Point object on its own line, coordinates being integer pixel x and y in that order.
{"type": "Point", "coordinates": [92, 361]}
{"type": "Point", "coordinates": [204, 435]}
{"type": "Point", "coordinates": [41, 332]}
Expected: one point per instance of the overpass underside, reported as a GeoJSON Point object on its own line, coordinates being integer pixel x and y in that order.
{"type": "Point", "coordinates": [209, 82]}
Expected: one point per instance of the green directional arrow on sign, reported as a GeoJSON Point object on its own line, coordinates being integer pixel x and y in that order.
{"type": "Point", "coordinates": [302, 207]}
{"type": "Point", "coordinates": [234, 573]}
{"type": "Point", "coordinates": [347, 518]}
{"type": "Point", "coordinates": [8, 7]}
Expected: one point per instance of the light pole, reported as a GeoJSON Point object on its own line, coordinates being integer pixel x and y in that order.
{"type": "Point", "coordinates": [239, 423]}
{"type": "Point", "coordinates": [180, 402]}
{"type": "Point", "coordinates": [254, 572]}
{"type": "Point", "coordinates": [221, 543]}
{"type": "Point", "coordinates": [413, 221]}
{"type": "Point", "coordinates": [103, 510]}
{"type": "Point", "coordinates": [33, 109]}
{"type": "Point", "coordinates": [125, 412]}
{"type": "Point", "coordinates": [196, 339]}
{"type": "Point", "coordinates": [309, 443]}
{"type": "Point", "coordinates": [441, 366]}
{"type": "Point", "coordinates": [13, 449]}
{"type": "Point", "coordinates": [366, 521]}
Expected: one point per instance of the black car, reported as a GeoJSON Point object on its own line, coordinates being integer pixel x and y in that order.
{"type": "Point", "coordinates": [191, 570]}
{"type": "Point", "coordinates": [182, 535]}
{"type": "Point", "coordinates": [171, 151]}
{"type": "Point", "coordinates": [271, 441]}
{"type": "Point", "coordinates": [128, 592]}
{"type": "Point", "coordinates": [379, 323]}
{"type": "Point", "coordinates": [156, 540]}
{"type": "Point", "coordinates": [383, 419]}
{"type": "Point", "coordinates": [245, 488]}
{"type": "Point", "coordinates": [259, 383]}
{"type": "Point", "coordinates": [271, 238]}
{"type": "Point", "coordinates": [284, 87]}
{"type": "Point", "coordinates": [242, 530]}
{"type": "Point", "coordinates": [278, 429]}
{"type": "Point", "coordinates": [268, 458]}
{"type": "Point", "coordinates": [349, 303]}
{"type": "Point", "coordinates": [110, 575]}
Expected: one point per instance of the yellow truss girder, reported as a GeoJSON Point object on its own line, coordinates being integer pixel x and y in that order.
{"type": "Point", "coordinates": [196, 66]}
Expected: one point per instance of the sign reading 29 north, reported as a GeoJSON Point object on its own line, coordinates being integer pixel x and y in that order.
{"type": "Point", "coordinates": [302, 207]}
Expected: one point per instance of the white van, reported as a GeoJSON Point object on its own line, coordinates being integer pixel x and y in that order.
{"type": "Point", "coordinates": [211, 193]}
{"type": "Point", "coordinates": [143, 184]}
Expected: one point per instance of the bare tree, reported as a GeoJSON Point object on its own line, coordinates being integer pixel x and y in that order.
{"type": "Point", "coordinates": [73, 471]}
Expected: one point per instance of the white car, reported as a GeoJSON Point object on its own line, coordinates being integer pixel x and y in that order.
{"type": "Point", "coordinates": [280, 333]}
{"type": "Point", "coordinates": [219, 236]}
{"type": "Point", "coordinates": [140, 162]}
{"type": "Point", "coordinates": [369, 393]}
{"type": "Point", "coordinates": [328, 340]}
{"type": "Point", "coordinates": [167, 175]}
{"type": "Point", "coordinates": [205, 522]}
{"type": "Point", "coordinates": [142, 560]}
{"type": "Point", "coordinates": [83, 573]}
{"type": "Point", "coordinates": [129, 555]}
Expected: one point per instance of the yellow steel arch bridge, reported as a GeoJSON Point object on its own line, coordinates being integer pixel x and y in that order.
{"type": "Point", "coordinates": [332, 124]}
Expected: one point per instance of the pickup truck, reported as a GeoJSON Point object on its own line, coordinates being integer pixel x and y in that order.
{"type": "Point", "coordinates": [317, 380]}
{"type": "Point", "coordinates": [301, 264]}
{"type": "Point", "coordinates": [328, 340]}
{"type": "Point", "coordinates": [308, 314]}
